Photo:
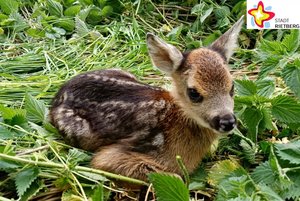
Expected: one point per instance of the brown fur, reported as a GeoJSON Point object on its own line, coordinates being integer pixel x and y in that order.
{"type": "Point", "coordinates": [134, 128]}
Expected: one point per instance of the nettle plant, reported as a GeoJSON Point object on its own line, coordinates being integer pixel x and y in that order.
{"type": "Point", "coordinates": [271, 103]}
{"type": "Point", "coordinates": [54, 19]}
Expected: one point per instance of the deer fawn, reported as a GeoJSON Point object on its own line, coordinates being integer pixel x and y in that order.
{"type": "Point", "coordinates": [135, 128]}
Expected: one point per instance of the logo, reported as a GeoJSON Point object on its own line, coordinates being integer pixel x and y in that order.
{"type": "Point", "coordinates": [272, 14]}
{"type": "Point", "coordinates": [261, 15]}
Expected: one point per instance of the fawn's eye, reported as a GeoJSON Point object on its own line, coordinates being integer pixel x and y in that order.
{"type": "Point", "coordinates": [194, 95]}
{"type": "Point", "coordinates": [231, 93]}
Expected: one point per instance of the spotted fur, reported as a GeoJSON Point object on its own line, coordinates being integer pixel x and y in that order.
{"type": "Point", "coordinates": [135, 128]}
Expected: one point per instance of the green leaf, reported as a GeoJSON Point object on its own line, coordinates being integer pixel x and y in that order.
{"type": "Point", "coordinates": [264, 174]}
{"type": "Point", "coordinates": [245, 87]}
{"type": "Point", "coordinates": [293, 193]}
{"type": "Point", "coordinates": [283, 179]}
{"type": "Point", "coordinates": [65, 23]}
{"type": "Point", "coordinates": [55, 8]}
{"type": "Point", "coordinates": [72, 10]}
{"type": "Point", "coordinates": [93, 176]}
{"type": "Point", "coordinates": [220, 170]}
{"type": "Point", "coordinates": [81, 28]}
{"type": "Point", "coordinates": [19, 22]}
{"type": "Point", "coordinates": [269, 193]}
{"type": "Point", "coordinates": [212, 37]}
{"type": "Point", "coordinates": [24, 179]}
{"type": "Point", "coordinates": [198, 9]}
{"type": "Point", "coordinates": [269, 65]}
{"type": "Point", "coordinates": [6, 134]}
{"type": "Point", "coordinates": [252, 117]}
{"type": "Point", "coordinates": [206, 14]}
{"type": "Point", "coordinates": [13, 116]}
{"type": "Point", "coordinates": [3, 16]}
{"type": "Point", "coordinates": [34, 188]}
{"type": "Point", "coordinates": [7, 165]}
{"type": "Point", "coordinates": [266, 121]}
{"type": "Point", "coordinates": [248, 151]}
{"type": "Point", "coordinates": [223, 22]}
{"type": "Point", "coordinates": [107, 11]}
{"type": "Point", "coordinates": [94, 16]}
{"type": "Point", "coordinates": [39, 129]}
{"type": "Point", "coordinates": [222, 12]}
{"type": "Point", "coordinates": [268, 48]}
{"type": "Point", "coordinates": [98, 193]}
{"type": "Point", "coordinates": [9, 7]}
{"type": "Point", "coordinates": [244, 100]}
{"type": "Point", "coordinates": [285, 109]}
{"type": "Point", "coordinates": [82, 15]}
{"type": "Point", "coordinates": [292, 40]}
{"type": "Point", "coordinates": [234, 187]}
{"type": "Point", "coordinates": [168, 187]}
{"type": "Point", "coordinates": [265, 87]}
{"type": "Point", "coordinates": [175, 32]}
{"type": "Point", "coordinates": [58, 30]}
{"type": "Point", "coordinates": [36, 110]}
{"type": "Point", "coordinates": [86, 2]}
{"type": "Point", "coordinates": [19, 120]}
{"type": "Point", "coordinates": [49, 127]}
{"type": "Point", "coordinates": [197, 186]}
{"type": "Point", "coordinates": [289, 152]}
{"type": "Point", "coordinates": [291, 76]}
{"type": "Point", "coordinates": [75, 156]}
{"type": "Point", "coordinates": [239, 198]}
{"type": "Point", "coordinates": [36, 33]}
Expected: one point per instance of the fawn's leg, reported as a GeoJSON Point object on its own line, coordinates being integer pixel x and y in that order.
{"type": "Point", "coordinates": [118, 160]}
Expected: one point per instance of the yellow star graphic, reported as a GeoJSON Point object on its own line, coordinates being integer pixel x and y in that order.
{"type": "Point", "coordinates": [260, 15]}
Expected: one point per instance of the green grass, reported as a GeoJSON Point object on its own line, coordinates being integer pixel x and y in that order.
{"type": "Point", "coordinates": [38, 54]}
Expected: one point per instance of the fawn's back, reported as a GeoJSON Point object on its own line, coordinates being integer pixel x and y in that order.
{"type": "Point", "coordinates": [135, 128]}
{"type": "Point", "coordinates": [110, 106]}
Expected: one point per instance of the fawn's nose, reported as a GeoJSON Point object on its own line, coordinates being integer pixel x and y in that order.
{"type": "Point", "coordinates": [224, 123]}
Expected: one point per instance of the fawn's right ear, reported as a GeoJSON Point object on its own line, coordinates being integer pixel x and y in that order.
{"type": "Point", "coordinates": [164, 56]}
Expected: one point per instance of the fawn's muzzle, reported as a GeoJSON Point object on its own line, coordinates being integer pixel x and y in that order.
{"type": "Point", "coordinates": [224, 123]}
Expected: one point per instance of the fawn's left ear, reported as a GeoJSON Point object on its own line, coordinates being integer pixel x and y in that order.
{"type": "Point", "coordinates": [226, 43]}
{"type": "Point", "coordinates": [164, 56]}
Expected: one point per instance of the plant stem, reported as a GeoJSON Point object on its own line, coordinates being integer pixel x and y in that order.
{"type": "Point", "coordinates": [290, 169]}
{"type": "Point", "coordinates": [33, 150]}
{"type": "Point", "coordinates": [184, 170]}
{"type": "Point", "coordinates": [76, 168]}
{"type": "Point", "coordinates": [4, 199]}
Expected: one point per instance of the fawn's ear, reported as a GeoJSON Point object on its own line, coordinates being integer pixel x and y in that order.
{"type": "Point", "coordinates": [226, 43]}
{"type": "Point", "coordinates": [164, 56]}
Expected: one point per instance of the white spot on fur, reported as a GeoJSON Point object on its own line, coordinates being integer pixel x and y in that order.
{"type": "Point", "coordinates": [78, 119]}
{"type": "Point", "coordinates": [85, 128]}
{"type": "Point", "coordinates": [160, 104]}
{"type": "Point", "coordinates": [105, 78]}
{"type": "Point", "coordinates": [60, 123]}
{"type": "Point", "coordinates": [145, 103]}
{"type": "Point", "coordinates": [123, 72]}
{"type": "Point", "coordinates": [158, 140]}
{"type": "Point", "coordinates": [60, 110]}
{"type": "Point", "coordinates": [120, 104]}
{"type": "Point", "coordinates": [67, 96]}
{"type": "Point", "coordinates": [94, 76]}
{"type": "Point", "coordinates": [69, 113]}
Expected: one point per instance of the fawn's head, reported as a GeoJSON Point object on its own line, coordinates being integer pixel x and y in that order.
{"type": "Point", "coordinates": [203, 86]}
